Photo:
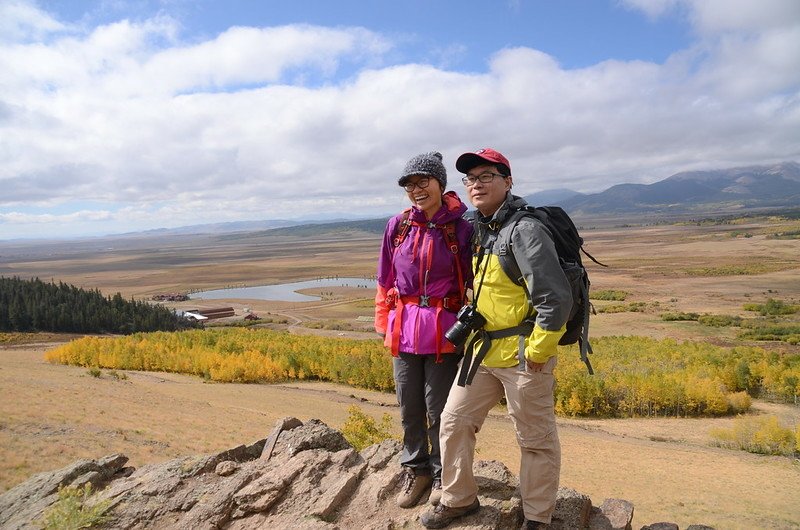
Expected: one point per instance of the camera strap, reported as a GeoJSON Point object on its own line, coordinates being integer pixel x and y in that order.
{"type": "Point", "coordinates": [468, 365]}
{"type": "Point", "coordinates": [481, 254]}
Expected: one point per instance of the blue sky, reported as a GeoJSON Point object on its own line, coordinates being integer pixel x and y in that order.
{"type": "Point", "coordinates": [117, 116]}
{"type": "Point", "coordinates": [577, 33]}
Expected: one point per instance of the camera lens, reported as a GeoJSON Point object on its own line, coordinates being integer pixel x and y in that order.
{"type": "Point", "coordinates": [457, 334]}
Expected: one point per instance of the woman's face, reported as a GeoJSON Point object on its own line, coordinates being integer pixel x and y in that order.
{"type": "Point", "coordinates": [425, 194]}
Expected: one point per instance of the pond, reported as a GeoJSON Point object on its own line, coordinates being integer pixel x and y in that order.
{"type": "Point", "coordinates": [283, 292]}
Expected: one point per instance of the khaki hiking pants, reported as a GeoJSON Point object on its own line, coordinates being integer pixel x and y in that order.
{"type": "Point", "coordinates": [530, 403]}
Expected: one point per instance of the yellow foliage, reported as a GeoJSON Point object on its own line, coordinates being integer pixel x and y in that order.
{"type": "Point", "coordinates": [362, 431]}
{"type": "Point", "coordinates": [797, 438]}
{"type": "Point", "coordinates": [739, 402]}
{"type": "Point", "coordinates": [762, 435]}
{"type": "Point", "coordinates": [235, 355]}
{"type": "Point", "coordinates": [634, 376]}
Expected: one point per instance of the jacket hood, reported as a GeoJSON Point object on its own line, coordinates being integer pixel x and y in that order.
{"type": "Point", "coordinates": [452, 208]}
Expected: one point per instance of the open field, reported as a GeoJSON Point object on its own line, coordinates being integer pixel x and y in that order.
{"type": "Point", "coordinates": [51, 415]}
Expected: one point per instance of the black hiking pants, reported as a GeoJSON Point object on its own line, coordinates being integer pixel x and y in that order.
{"type": "Point", "coordinates": [422, 387]}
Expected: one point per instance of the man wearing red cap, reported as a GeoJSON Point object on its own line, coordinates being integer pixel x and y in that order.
{"type": "Point", "coordinates": [515, 327]}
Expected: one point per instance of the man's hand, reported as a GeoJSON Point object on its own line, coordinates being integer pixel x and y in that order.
{"type": "Point", "coordinates": [534, 367]}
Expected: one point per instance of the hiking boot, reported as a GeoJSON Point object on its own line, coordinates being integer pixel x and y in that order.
{"type": "Point", "coordinates": [436, 491]}
{"type": "Point", "coordinates": [413, 487]}
{"type": "Point", "coordinates": [533, 525]}
{"type": "Point", "coordinates": [442, 515]}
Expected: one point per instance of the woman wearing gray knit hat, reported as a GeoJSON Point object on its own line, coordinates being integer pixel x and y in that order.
{"type": "Point", "coordinates": [423, 271]}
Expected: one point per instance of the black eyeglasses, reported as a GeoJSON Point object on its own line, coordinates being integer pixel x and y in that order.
{"type": "Point", "coordinates": [421, 184]}
{"type": "Point", "coordinates": [485, 178]}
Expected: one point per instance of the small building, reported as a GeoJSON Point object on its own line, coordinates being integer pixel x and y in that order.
{"type": "Point", "coordinates": [217, 312]}
{"type": "Point", "coordinates": [197, 317]}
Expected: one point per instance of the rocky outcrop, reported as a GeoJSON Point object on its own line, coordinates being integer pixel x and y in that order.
{"type": "Point", "coordinates": [303, 476]}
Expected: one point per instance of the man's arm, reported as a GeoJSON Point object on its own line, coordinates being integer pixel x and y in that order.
{"type": "Point", "coordinates": [548, 288]}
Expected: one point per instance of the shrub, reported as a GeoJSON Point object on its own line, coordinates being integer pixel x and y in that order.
{"type": "Point", "coordinates": [230, 355]}
{"type": "Point", "coordinates": [72, 511]}
{"type": "Point", "coordinates": [780, 332]}
{"type": "Point", "coordinates": [772, 307]}
{"type": "Point", "coordinates": [739, 402]}
{"type": "Point", "coordinates": [608, 294]}
{"type": "Point", "coordinates": [117, 375]}
{"type": "Point", "coordinates": [757, 265]}
{"type": "Point", "coordinates": [334, 325]}
{"type": "Point", "coordinates": [679, 316]}
{"type": "Point", "coordinates": [760, 435]}
{"type": "Point", "coordinates": [94, 371]}
{"type": "Point", "coordinates": [634, 376]}
{"type": "Point", "coordinates": [789, 234]}
{"type": "Point", "coordinates": [797, 438]}
{"type": "Point", "coordinates": [362, 431]}
{"type": "Point", "coordinates": [633, 307]}
{"type": "Point", "coordinates": [719, 321]}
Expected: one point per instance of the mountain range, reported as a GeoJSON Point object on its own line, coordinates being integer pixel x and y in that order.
{"type": "Point", "coordinates": [712, 192]}
{"type": "Point", "coordinates": [732, 191]}
{"type": "Point", "coordinates": [694, 193]}
{"type": "Point", "coordinates": [720, 191]}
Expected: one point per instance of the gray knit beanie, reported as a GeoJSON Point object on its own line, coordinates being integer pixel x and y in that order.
{"type": "Point", "coordinates": [426, 164]}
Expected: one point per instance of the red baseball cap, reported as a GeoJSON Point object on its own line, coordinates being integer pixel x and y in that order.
{"type": "Point", "coordinates": [468, 161]}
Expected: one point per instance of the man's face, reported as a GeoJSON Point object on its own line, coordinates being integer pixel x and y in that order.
{"type": "Point", "coordinates": [487, 196]}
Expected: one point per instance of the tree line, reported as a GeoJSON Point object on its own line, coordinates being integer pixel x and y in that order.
{"type": "Point", "coordinates": [33, 305]}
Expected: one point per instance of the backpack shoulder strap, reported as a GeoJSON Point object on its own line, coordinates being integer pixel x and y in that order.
{"type": "Point", "coordinates": [450, 237]}
{"type": "Point", "coordinates": [507, 261]}
{"type": "Point", "coordinates": [402, 228]}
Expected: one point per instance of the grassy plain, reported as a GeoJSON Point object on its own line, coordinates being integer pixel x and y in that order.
{"type": "Point", "coordinates": [51, 415]}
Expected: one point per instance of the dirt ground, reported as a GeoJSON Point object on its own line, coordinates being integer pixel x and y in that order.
{"type": "Point", "coordinates": [51, 415]}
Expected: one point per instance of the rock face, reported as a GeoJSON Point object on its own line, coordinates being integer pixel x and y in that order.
{"type": "Point", "coordinates": [303, 476]}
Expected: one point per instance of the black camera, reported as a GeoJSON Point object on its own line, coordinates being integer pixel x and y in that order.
{"type": "Point", "coordinates": [468, 320]}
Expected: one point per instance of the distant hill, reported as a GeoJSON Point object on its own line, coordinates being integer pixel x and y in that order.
{"type": "Point", "coordinates": [345, 229]}
{"type": "Point", "coordinates": [696, 192]}
{"type": "Point", "coordinates": [740, 188]}
{"type": "Point", "coordinates": [218, 228]}
{"type": "Point", "coordinates": [712, 192]}
{"type": "Point", "coordinates": [552, 197]}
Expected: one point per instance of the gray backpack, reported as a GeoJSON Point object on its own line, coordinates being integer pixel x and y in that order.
{"type": "Point", "coordinates": [569, 245]}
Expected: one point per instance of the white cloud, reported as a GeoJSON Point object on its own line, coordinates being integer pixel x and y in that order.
{"type": "Point", "coordinates": [21, 21]}
{"type": "Point", "coordinates": [256, 122]}
{"type": "Point", "coordinates": [652, 8]}
{"type": "Point", "coordinates": [714, 16]}
{"type": "Point", "coordinates": [719, 16]}
{"type": "Point", "coordinates": [49, 219]}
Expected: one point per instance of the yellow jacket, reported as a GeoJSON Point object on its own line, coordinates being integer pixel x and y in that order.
{"type": "Point", "coordinates": [545, 298]}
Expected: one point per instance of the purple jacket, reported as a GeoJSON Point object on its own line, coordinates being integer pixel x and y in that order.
{"type": "Point", "coordinates": [423, 265]}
